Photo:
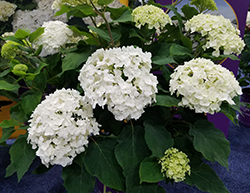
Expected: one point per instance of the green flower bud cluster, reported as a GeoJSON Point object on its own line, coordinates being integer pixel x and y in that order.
{"type": "Point", "coordinates": [10, 50]}
{"type": "Point", "coordinates": [152, 16]}
{"type": "Point", "coordinates": [20, 69]}
{"type": "Point", "coordinates": [174, 165]}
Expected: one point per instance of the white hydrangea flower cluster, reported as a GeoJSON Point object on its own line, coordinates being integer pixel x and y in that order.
{"type": "Point", "coordinates": [219, 33]}
{"type": "Point", "coordinates": [60, 126]}
{"type": "Point", "coordinates": [56, 35]}
{"type": "Point", "coordinates": [204, 85]}
{"type": "Point", "coordinates": [150, 15]}
{"type": "Point", "coordinates": [32, 19]}
{"type": "Point", "coordinates": [58, 3]}
{"type": "Point", "coordinates": [248, 18]}
{"type": "Point", "coordinates": [174, 165]}
{"type": "Point", "coordinates": [7, 34]}
{"type": "Point", "coordinates": [119, 78]}
{"type": "Point", "coordinates": [4, 35]}
{"type": "Point", "coordinates": [6, 10]}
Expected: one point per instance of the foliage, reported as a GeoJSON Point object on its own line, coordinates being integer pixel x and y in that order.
{"type": "Point", "coordinates": [125, 156]}
{"type": "Point", "coordinates": [244, 67]}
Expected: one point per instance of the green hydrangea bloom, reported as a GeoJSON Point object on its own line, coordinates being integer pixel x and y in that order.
{"type": "Point", "coordinates": [150, 15]}
{"type": "Point", "coordinates": [203, 5]}
{"type": "Point", "coordinates": [20, 69]}
{"type": "Point", "coordinates": [58, 3]}
{"type": "Point", "coordinates": [10, 50]}
{"type": "Point", "coordinates": [174, 165]}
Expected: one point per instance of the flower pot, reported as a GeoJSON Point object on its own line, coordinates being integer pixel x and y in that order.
{"type": "Point", "coordinates": [5, 114]}
{"type": "Point", "coordinates": [244, 118]}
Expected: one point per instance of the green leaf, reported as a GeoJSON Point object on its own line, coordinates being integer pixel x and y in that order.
{"type": "Point", "coordinates": [18, 113]}
{"type": "Point", "coordinates": [204, 178]}
{"type": "Point", "coordinates": [132, 148]}
{"type": "Point", "coordinates": [211, 142]}
{"type": "Point", "coordinates": [161, 54]}
{"type": "Point", "coordinates": [41, 169]}
{"type": "Point", "coordinates": [40, 81]}
{"type": "Point", "coordinates": [125, 17]}
{"type": "Point", "coordinates": [87, 10]}
{"type": "Point", "coordinates": [76, 177]}
{"type": "Point", "coordinates": [4, 73]}
{"type": "Point", "coordinates": [38, 51]}
{"type": "Point", "coordinates": [165, 70]}
{"type": "Point", "coordinates": [30, 102]}
{"type": "Point", "coordinates": [25, 49]}
{"type": "Point", "coordinates": [232, 57]}
{"type": "Point", "coordinates": [230, 110]}
{"type": "Point", "coordinates": [178, 15]}
{"type": "Point", "coordinates": [137, 33]}
{"type": "Point", "coordinates": [21, 156]}
{"type": "Point", "coordinates": [189, 11]}
{"type": "Point", "coordinates": [21, 34]}
{"type": "Point", "coordinates": [166, 101]}
{"type": "Point", "coordinates": [116, 13]}
{"type": "Point", "coordinates": [134, 186]}
{"type": "Point", "coordinates": [100, 161]}
{"type": "Point", "coordinates": [14, 39]}
{"type": "Point", "coordinates": [64, 9]}
{"type": "Point", "coordinates": [7, 132]}
{"type": "Point", "coordinates": [163, 60]}
{"type": "Point", "coordinates": [9, 123]}
{"type": "Point", "coordinates": [36, 34]}
{"type": "Point", "coordinates": [31, 76]}
{"type": "Point", "coordinates": [247, 39]}
{"type": "Point", "coordinates": [7, 86]}
{"type": "Point", "coordinates": [150, 171]}
{"type": "Point", "coordinates": [179, 50]}
{"type": "Point", "coordinates": [158, 138]}
{"type": "Point", "coordinates": [73, 60]}
{"type": "Point", "coordinates": [104, 2]}
{"type": "Point", "coordinates": [105, 35]}
{"type": "Point", "coordinates": [187, 42]}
